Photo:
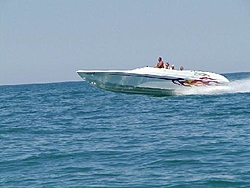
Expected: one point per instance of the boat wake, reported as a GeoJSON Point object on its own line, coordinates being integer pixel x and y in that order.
{"type": "Point", "coordinates": [236, 86]}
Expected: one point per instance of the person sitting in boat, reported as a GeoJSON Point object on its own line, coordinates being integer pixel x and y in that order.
{"type": "Point", "coordinates": [181, 68]}
{"type": "Point", "coordinates": [172, 67]}
{"type": "Point", "coordinates": [167, 65]}
{"type": "Point", "coordinates": [160, 63]}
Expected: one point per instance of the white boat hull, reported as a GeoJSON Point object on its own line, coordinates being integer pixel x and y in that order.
{"type": "Point", "coordinates": [149, 79]}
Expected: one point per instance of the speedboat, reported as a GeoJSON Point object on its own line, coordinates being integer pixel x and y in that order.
{"type": "Point", "coordinates": [150, 79]}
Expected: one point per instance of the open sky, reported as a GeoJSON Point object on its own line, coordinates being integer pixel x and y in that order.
{"type": "Point", "coordinates": [48, 40]}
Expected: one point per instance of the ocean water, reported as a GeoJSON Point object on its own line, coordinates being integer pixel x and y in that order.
{"type": "Point", "coordinates": [74, 135]}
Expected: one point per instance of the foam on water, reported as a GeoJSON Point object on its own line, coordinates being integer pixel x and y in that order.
{"type": "Point", "coordinates": [236, 86]}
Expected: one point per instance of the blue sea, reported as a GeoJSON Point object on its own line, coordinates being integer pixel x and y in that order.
{"type": "Point", "coordinates": [72, 134]}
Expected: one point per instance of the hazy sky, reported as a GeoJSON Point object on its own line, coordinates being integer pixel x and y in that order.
{"type": "Point", "coordinates": [48, 40]}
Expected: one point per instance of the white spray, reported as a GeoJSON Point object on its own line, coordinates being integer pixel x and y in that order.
{"type": "Point", "coordinates": [237, 86]}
